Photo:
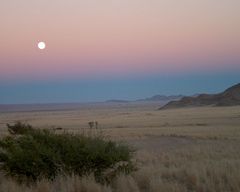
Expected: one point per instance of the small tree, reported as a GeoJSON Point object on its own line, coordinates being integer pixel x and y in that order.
{"type": "Point", "coordinates": [91, 124]}
{"type": "Point", "coordinates": [96, 124]}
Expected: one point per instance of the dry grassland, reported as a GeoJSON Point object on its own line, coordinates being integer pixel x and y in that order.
{"type": "Point", "coordinates": [194, 149]}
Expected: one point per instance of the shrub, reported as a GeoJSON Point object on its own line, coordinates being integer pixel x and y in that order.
{"type": "Point", "coordinates": [39, 154]}
{"type": "Point", "coordinates": [19, 128]}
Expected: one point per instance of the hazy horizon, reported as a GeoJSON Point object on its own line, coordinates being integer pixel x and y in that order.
{"type": "Point", "coordinates": [123, 91]}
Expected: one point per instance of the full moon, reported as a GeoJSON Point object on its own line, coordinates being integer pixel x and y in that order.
{"type": "Point", "coordinates": [41, 45]}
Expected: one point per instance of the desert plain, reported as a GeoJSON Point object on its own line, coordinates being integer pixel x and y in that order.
{"type": "Point", "coordinates": [187, 149]}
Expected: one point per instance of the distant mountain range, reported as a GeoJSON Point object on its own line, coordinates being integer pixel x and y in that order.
{"type": "Point", "coordinates": [153, 98]}
{"type": "Point", "coordinates": [162, 98]}
{"type": "Point", "coordinates": [117, 101]}
{"type": "Point", "coordinates": [229, 97]}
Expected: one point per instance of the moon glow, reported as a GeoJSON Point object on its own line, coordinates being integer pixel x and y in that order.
{"type": "Point", "coordinates": [41, 45]}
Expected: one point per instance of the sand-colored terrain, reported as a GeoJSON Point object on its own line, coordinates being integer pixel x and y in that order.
{"type": "Point", "coordinates": [137, 120]}
{"type": "Point", "coordinates": [190, 149]}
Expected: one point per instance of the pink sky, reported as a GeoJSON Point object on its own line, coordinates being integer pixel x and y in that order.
{"type": "Point", "coordinates": [93, 37]}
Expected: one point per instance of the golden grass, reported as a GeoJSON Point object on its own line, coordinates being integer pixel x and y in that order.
{"type": "Point", "coordinates": [195, 149]}
{"type": "Point", "coordinates": [200, 167]}
{"type": "Point", "coordinates": [61, 184]}
{"type": "Point", "coordinates": [137, 121]}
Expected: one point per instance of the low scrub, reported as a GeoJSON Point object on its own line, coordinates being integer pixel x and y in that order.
{"type": "Point", "coordinates": [19, 128]}
{"type": "Point", "coordinates": [33, 154]}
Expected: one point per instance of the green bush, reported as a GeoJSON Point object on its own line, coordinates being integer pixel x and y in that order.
{"type": "Point", "coordinates": [40, 154]}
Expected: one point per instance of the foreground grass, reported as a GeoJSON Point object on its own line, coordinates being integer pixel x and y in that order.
{"type": "Point", "coordinates": [204, 167]}
{"type": "Point", "coordinates": [209, 166]}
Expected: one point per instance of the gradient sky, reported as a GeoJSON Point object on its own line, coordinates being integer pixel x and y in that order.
{"type": "Point", "coordinates": [120, 49]}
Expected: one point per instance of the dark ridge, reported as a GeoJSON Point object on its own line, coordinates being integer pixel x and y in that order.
{"type": "Point", "coordinates": [229, 97]}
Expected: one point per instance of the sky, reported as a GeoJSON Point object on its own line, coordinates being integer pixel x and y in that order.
{"type": "Point", "coordinates": [128, 49]}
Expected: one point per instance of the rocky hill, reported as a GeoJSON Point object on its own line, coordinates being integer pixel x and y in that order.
{"type": "Point", "coordinates": [229, 97]}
